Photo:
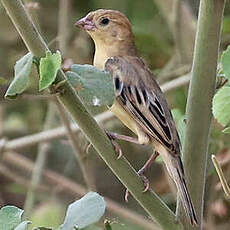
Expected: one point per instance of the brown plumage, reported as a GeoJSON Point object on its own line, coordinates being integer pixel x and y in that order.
{"type": "Point", "coordinates": [140, 103]}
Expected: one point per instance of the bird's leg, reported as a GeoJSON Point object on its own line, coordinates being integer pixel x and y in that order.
{"type": "Point", "coordinates": [115, 144]}
{"type": "Point", "coordinates": [141, 172]}
{"type": "Point", "coordinates": [122, 137]}
{"type": "Point", "coordinates": [147, 165]}
{"type": "Point", "coordinates": [114, 136]}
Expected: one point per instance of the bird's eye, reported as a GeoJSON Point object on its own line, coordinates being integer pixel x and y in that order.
{"type": "Point", "coordinates": [104, 21]}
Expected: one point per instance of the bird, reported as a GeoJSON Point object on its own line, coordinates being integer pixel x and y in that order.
{"type": "Point", "coordinates": [139, 102]}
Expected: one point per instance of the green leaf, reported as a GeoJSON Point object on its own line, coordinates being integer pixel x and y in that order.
{"type": "Point", "coordinates": [225, 60]}
{"type": "Point", "coordinates": [221, 105]}
{"type": "Point", "coordinates": [10, 217]}
{"type": "Point", "coordinates": [22, 71]}
{"type": "Point", "coordinates": [94, 86]}
{"type": "Point", "coordinates": [23, 225]}
{"type": "Point", "coordinates": [49, 65]}
{"type": "Point", "coordinates": [86, 211]}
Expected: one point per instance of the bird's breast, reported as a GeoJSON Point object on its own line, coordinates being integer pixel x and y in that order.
{"type": "Point", "coordinates": [128, 121]}
{"type": "Point", "coordinates": [123, 116]}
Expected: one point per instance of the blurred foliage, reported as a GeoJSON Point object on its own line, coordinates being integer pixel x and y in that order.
{"type": "Point", "coordinates": [25, 116]}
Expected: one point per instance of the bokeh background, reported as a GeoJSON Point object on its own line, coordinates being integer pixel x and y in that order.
{"type": "Point", "coordinates": [165, 33]}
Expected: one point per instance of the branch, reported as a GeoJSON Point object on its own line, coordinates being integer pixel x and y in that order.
{"type": "Point", "coordinates": [180, 81]}
{"type": "Point", "coordinates": [222, 178]}
{"type": "Point", "coordinates": [63, 25]}
{"type": "Point", "coordinates": [182, 26]}
{"type": "Point", "coordinates": [201, 91]}
{"type": "Point", "coordinates": [174, 73]}
{"type": "Point", "coordinates": [152, 204]}
{"type": "Point", "coordinates": [71, 187]}
{"type": "Point", "coordinates": [6, 172]}
{"type": "Point", "coordinates": [49, 135]}
{"type": "Point", "coordinates": [80, 155]}
{"type": "Point", "coordinates": [40, 163]}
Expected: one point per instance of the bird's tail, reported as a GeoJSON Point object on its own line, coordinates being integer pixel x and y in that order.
{"type": "Point", "coordinates": [176, 171]}
{"type": "Point", "coordinates": [179, 178]}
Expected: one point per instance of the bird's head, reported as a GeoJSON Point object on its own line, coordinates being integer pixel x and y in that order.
{"type": "Point", "coordinates": [107, 26]}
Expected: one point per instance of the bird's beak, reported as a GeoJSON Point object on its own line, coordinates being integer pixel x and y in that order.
{"type": "Point", "coordinates": [86, 23]}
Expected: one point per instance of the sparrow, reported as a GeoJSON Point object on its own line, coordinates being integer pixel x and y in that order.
{"type": "Point", "coordinates": [139, 102]}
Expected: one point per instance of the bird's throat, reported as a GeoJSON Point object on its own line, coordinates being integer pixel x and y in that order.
{"type": "Point", "coordinates": [104, 52]}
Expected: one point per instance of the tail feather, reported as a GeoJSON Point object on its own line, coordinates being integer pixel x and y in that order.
{"type": "Point", "coordinates": [176, 171]}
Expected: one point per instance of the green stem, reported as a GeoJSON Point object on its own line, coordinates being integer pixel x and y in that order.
{"type": "Point", "coordinates": [121, 168]}
{"type": "Point", "coordinates": [201, 91]}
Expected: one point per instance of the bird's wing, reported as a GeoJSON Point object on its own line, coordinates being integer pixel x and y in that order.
{"type": "Point", "coordinates": [139, 94]}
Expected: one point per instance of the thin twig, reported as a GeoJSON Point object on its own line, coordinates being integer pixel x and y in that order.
{"type": "Point", "coordinates": [63, 25]}
{"type": "Point", "coordinates": [222, 178]}
{"type": "Point", "coordinates": [49, 135]}
{"type": "Point", "coordinates": [80, 155]}
{"type": "Point", "coordinates": [67, 185]}
{"type": "Point", "coordinates": [173, 73]}
{"type": "Point", "coordinates": [174, 84]}
{"type": "Point", "coordinates": [8, 173]}
{"type": "Point", "coordinates": [176, 20]}
{"type": "Point", "coordinates": [184, 22]}
{"type": "Point", "coordinates": [40, 163]}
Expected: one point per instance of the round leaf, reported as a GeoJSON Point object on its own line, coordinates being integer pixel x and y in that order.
{"type": "Point", "coordinates": [88, 210]}
{"type": "Point", "coordinates": [10, 217]}
{"type": "Point", "coordinates": [221, 106]}
{"type": "Point", "coordinates": [94, 86]}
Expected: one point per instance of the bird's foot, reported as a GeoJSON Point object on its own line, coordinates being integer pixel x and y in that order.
{"type": "Point", "coordinates": [145, 181]}
{"type": "Point", "coordinates": [141, 174]}
{"type": "Point", "coordinates": [115, 144]}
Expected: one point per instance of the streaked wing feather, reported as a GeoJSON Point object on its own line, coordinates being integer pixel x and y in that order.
{"type": "Point", "coordinates": [143, 104]}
